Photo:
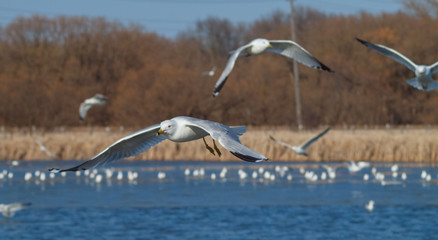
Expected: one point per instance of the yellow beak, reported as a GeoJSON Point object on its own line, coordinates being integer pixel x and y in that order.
{"type": "Point", "coordinates": [270, 45]}
{"type": "Point", "coordinates": [160, 132]}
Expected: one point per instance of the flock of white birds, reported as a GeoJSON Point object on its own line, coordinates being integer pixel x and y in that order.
{"type": "Point", "coordinates": [323, 174]}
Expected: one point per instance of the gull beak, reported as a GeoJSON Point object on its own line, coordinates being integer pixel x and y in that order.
{"type": "Point", "coordinates": [160, 132]}
{"type": "Point", "coordinates": [270, 45]}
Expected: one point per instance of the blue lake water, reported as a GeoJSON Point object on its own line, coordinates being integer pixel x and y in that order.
{"type": "Point", "coordinates": [188, 207]}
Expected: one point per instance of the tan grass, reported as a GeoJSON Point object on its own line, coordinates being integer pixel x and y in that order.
{"type": "Point", "coordinates": [407, 145]}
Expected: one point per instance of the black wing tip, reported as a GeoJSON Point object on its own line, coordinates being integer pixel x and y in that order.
{"type": "Point", "coordinates": [361, 41]}
{"type": "Point", "coordinates": [73, 169]}
{"type": "Point", "coordinates": [215, 94]}
{"type": "Point", "coordinates": [248, 158]}
{"type": "Point", "coordinates": [272, 138]}
{"type": "Point", "coordinates": [325, 68]}
{"type": "Point", "coordinates": [54, 170]}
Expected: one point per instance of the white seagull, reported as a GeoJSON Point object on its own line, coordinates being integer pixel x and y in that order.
{"type": "Point", "coordinates": [98, 99]}
{"type": "Point", "coordinates": [8, 210]}
{"type": "Point", "coordinates": [370, 206]}
{"type": "Point", "coordinates": [286, 48]}
{"type": "Point", "coordinates": [356, 167]}
{"type": "Point", "coordinates": [423, 74]}
{"type": "Point", "coordinates": [43, 148]}
{"type": "Point", "coordinates": [178, 129]}
{"type": "Point", "coordinates": [210, 73]}
{"type": "Point", "coordinates": [302, 149]}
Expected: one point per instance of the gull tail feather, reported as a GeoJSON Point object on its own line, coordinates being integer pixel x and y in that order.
{"type": "Point", "coordinates": [239, 130]}
{"type": "Point", "coordinates": [414, 83]}
{"type": "Point", "coordinates": [433, 86]}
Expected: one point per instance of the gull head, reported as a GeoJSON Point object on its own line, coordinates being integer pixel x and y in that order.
{"type": "Point", "coordinates": [421, 70]}
{"type": "Point", "coordinates": [167, 127]}
{"type": "Point", "coordinates": [259, 45]}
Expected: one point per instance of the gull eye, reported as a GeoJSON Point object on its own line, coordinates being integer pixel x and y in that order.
{"type": "Point", "coordinates": [170, 126]}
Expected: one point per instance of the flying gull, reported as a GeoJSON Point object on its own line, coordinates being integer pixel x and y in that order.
{"type": "Point", "coordinates": [43, 148]}
{"type": "Point", "coordinates": [301, 149]}
{"type": "Point", "coordinates": [286, 48]}
{"type": "Point", "coordinates": [98, 99]}
{"type": "Point", "coordinates": [423, 74]}
{"type": "Point", "coordinates": [178, 129]}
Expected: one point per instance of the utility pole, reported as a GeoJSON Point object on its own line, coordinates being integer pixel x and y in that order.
{"type": "Point", "coordinates": [296, 75]}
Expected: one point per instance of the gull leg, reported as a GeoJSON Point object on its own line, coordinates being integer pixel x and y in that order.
{"type": "Point", "coordinates": [216, 148]}
{"type": "Point", "coordinates": [208, 147]}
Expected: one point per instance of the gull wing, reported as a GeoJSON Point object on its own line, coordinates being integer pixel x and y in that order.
{"type": "Point", "coordinates": [83, 109]}
{"type": "Point", "coordinates": [229, 139]}
{"type": "Point", "coordinates": [310, 141]}
{"type": "Point", "coordinates": [389, 52]}
{"type": "Point", "coordinates": [130, 145]}
{"type": "Point", "coordinates": [228, 68]}
{"type": "Point", "coordinates": [292, 50]}
{"type": "Point", "coordinates": [282, 143]}
{"type": "Point", "coordinates": [434, 68]}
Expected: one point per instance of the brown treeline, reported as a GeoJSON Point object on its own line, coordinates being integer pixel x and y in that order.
{"type": "Point", "coordinates": [377, 145]}
{"type": "Point", "coordinates": [48, 66]}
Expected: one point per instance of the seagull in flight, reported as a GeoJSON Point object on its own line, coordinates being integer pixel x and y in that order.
{"type": "Point", "coordinates": [8, 210]}
{"type": "Point", "coordinates": [286, 48]}
{"type": "Point", "coordinates": [43, 148]}
{"type": "Point", "coordinates": [301, 149]}
{"type": "Point", "coordinates": [423, 74]}
{"type": "Point", "coordinates": [177, 129]}
{"type": "Point", "coordinates": [97, 99]}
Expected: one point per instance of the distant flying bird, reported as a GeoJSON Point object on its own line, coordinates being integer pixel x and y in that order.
{"type": "Point", "coordinates": [286, 48]}
{"type": "Point", "coordinates": [423, 74]}
{"type": "Point", "coordinates": [43, 148]}
{"type": "Point", "coordinates": [302, 149]}
{"type": "Point", "coordinates": [8, 210]}
{"type": "Point", "coordinates": [98, 99]}
{"type": "Point", "coordinates": [210, 73]}
{"type": "Point", "coordinates": [177, 129]}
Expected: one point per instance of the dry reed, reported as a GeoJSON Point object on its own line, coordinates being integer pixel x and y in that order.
{"type": "Point", "coordinates": [382, 145]}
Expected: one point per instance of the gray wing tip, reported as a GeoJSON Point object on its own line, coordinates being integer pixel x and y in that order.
{"type": "Point", "coordinates": [215, 94]}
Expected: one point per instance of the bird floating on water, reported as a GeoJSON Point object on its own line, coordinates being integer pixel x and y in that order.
{"type": "Point", "coordinates": [356, 167]}
{"type": "Point", "coordinates": [286, 48]}
{"type": "Point", "coordinates": [178, 129]}
{"type": "Point", "coordinates": [370, 206]}
{"type": "Point", "coordinates": [423, 74]}
{"type": "Point", "coordinates": [8, 210]}
{"type": "Point", "coordinates": [301, 149]}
